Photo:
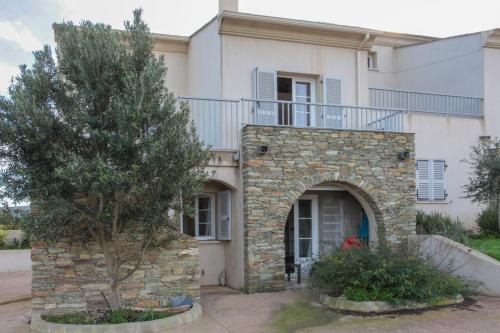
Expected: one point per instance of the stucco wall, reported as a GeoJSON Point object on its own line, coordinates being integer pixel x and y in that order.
{"type": "Point", "coordinates": [177, 71]}
{"type": "Point", "coordinates": [301, 158]}
{"type": "Point", "coordinates": [204, 62]}
{"type": "Point", "coordinates": [70, 276]}
{"type": "Point", "coordinates": [240, 55]}
{"type": "Point", "coordinates": [448, 139]}
{"type": "Point", "coordinates": [449, 66]}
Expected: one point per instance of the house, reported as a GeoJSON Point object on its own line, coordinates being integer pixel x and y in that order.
{"type": "Point", "coordinates": [321, 131]}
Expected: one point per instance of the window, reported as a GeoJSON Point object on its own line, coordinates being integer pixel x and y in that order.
{"type": "Point", "coordinates": [202, 225]}
{"type": "Point", "coordinates": [372, 60]}
{"type": "Point", "coordinates": [207, 223]}
{"type": "Point", "coordinates": [430, 180]}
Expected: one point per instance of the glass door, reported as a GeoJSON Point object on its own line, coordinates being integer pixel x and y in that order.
{"type": "Point", "coordinates": [303, 92]}
{"type": "Point", "coordinates": [306, 228]}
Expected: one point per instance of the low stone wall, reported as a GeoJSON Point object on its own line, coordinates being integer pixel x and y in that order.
{"type": "Point", "coordinates": [71, 277]}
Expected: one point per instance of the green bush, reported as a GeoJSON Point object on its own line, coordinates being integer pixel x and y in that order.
{"type": "Point", "coordinates": [383, 275]}
{"type": "Point", "coordinates": [124, 315]}
{"type": "Point", "coordinates": [436, 223]}
{"type": "Point", "coordinates": [3, 237]}
{"type": "Point", "coordinates": [487, 221]}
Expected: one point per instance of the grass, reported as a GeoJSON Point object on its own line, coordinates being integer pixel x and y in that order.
{"type": "Point", "coordinates": [115, 317]}
{"type": "Point", "coordinates": [489, 245]}
{"type": "Point", "coordinates": [300, 315]}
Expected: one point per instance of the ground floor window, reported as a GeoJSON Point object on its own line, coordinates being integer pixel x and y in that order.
{"type": "Point", "coordinates": [201, 225]}
{"type": "Point", "coordinates": [212, 217]}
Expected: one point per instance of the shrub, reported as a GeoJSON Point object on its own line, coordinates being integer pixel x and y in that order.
{"type": "Point", "coordinates": [383, 275]}
{"type": "Point", "coordinates": [436, 223]}
{"type": "Point", "coordinates": [3, 237]}
{"type": "Point", "coordinates": [487, 221]}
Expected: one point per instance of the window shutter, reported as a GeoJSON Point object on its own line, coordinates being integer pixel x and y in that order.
{"type": "Point", "coordinates": [423, 180]}
{"type": "Point", "coordinates": [438, 191]}
{"type": "Point", "coordinates": [332, 95]}
{"type": "Point", "coordinates": [224, 228]}
{"type": "Point", "coordinates": [265, 89]}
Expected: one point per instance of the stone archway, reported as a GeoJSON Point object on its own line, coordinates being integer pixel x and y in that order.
{"type": "Point", "coordinates": [365, 163]}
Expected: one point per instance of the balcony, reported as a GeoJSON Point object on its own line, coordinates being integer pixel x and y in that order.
{"type": "Point", "coordinates": [219, 121]}
{"type": "Point", "coordinates": [414, 101]}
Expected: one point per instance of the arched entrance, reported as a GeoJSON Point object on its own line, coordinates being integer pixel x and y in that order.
{"type": "Point", "coordinates": [365, 164]}
{"type": "Point", "coordinates": [319, 221]}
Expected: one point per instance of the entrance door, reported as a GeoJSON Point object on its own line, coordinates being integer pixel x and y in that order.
{"type": "Point", "coordinates": [306, 228]}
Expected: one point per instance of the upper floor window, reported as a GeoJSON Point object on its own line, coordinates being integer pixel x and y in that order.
{"type": "Point", "coordinates": [372, 60]}
{"type": "Point", "coordinates": [430, 180]}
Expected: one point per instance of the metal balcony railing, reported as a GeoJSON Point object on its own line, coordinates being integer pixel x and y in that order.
{"type": "Point", "coordinates": [219, 121]}
{"type": "Point", "coordinates": [415, 101]}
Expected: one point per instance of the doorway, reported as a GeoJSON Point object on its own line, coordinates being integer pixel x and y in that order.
{"type": "Point", "coordinates": [295, 96]}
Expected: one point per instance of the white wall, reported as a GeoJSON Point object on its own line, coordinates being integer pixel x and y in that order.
{"type": "Point", "coordinates": [460, 261]}
{"type": "Point", "coordinates": [449, 139]}
{"type": "Point", "coordinates": [384, 76]}
{"type": "Point", "coordinates": [177, 69]}
{"type": "Point", "coordinates": [240, 56]}
{"type": "Point", "coordinates": [204, 62]}
{"type": "Point", "coordinates": [15, 260]}
{"type": "Point", "coordinates": [448, 66]}
{"type": "Point", "coordinates": [492, 91]}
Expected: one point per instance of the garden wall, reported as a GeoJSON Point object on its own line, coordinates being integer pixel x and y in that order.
{"type": "Point", "coordinates": [71, 276]}
{"type": "Point", "coordinates": [461, 261]}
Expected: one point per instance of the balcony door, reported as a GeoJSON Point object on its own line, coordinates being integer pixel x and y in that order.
{"type": "Point", "coordinates": [295, 94]}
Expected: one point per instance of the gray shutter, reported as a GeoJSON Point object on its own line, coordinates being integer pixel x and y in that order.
{"type": "Point", "coordinates": [332, 227]}
{"type": "Point", "coordinates": [265, 89]}
{"type": "Point", "coordinates": [423, 180]}
{"type": "Point", "coordinates": [438, 191]}
{"type": "Point", "coordinates": [224, 225]}
{"type": "Point", "coordinates": [332, 95]}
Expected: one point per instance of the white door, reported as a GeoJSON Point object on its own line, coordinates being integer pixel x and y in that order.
{"type": "Point", "coordinates": [304, 91]}
{"type": "Point", "coordinates": [306, 228]}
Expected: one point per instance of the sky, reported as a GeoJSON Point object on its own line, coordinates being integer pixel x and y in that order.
{"type": "Point", "coordinates": [26, 25]}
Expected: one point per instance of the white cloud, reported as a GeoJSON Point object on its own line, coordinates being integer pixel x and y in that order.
{"type": "Point", "coordinates": [6, 73]}
{"type": "Point", "coordinates": [18, 33]}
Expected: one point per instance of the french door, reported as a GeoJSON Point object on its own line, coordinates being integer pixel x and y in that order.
{"type": "Point", "coordinates": [304, 92]}
{"type": "Point", "coordinates": [306, 228]}
{"type": "Point", "coordinates": [295, 95]}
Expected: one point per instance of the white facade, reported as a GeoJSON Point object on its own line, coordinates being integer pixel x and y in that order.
{"type": "Point", "coordinates": [218, 61]}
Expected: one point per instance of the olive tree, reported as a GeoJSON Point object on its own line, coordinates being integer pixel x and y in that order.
{"type": "Point", "coordinates": [484, 181]}
{"type": "Point", "coordinates": [98, 143]}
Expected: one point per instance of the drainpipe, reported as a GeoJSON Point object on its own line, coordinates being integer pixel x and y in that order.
{"type": "Point", "coordinates": [358, 67]}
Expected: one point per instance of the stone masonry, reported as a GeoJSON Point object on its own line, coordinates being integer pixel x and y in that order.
{"type": "Point", "coordinates": [70, 277]}
{"type": "Point", "coordinates": [300, 158]}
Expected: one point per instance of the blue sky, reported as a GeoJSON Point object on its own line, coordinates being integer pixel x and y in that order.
{"type": "Point", "coordinates": [25, 25]}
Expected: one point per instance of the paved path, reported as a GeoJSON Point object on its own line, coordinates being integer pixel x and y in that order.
{"type": "Point", "coordinates": [231, 311]}
{"type": "Point", "coordinates": [14, 285]}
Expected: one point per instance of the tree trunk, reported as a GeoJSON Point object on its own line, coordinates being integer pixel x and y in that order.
{"type": "Point", "coordinates": [498, 211]}
{"type": "Point", "coordinates": [115, 299]}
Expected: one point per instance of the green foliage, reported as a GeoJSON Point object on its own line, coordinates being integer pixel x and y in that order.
{"type": "Point", "coordinates": [436, 223]}
{"type": "Point", "coordinates": [300, 315]}
{"type": "Point", "coordinates": [487, 221]}
{"type": "Point", "coordinates": [124, 315]}
{"type": "Point", "coordinates": [11, 218]}
{"type": "Point", "coordinates": [97, 143]}
{"type": "Point", "coordinates": [489, 245]}
{"type": "Point", "coordinates": [484, 183]}
{"type": "Point", "coordinates": [3, 237]}
{"type": "Point", "coordinates": [383, 275]}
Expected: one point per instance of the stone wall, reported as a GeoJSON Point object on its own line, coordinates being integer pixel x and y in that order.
{"type": "Point", "coordinates": [300, 158]}
{"type": "Point", "coordinates": [71, 276]}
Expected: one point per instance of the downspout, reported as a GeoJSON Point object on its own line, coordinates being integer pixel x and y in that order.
{"type": "Point", "coordinates": [358, 67]}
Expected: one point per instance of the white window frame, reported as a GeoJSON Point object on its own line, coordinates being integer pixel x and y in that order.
{"type": "Point", "coordinates": [372, 60]}
{"type": "Point", "coordinates": [315, 243]}
{"type": "Point", "coordinates": [196, 217]}
{"type": "Point", "coordinates": [302, 79]}
{"type": "Point", "coordinates": [431, 180]}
